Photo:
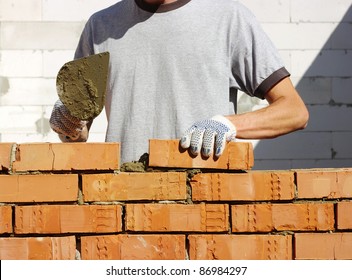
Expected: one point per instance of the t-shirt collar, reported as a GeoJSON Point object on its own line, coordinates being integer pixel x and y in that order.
{"type": "Point", "coordinates": [161, 8]}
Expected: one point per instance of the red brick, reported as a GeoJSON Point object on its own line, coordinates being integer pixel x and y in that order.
{"type": "Point", "coordinates": [168, 153]}
{"type": "Point", "coordinates": [250, 186]}
{"type": "Point", "coordinates": [344, 215]}
{"type": "Point", "coordinates": [5, 156]}
{"type": "Point", "coordinates": [134, 186]}
{"type": "Point", "coordinates": [324, 183]}
{"type": "Point", "coordinates": [5, 219]}
{"type": "Point", "coordinates": [323, 246]}
{"type": "Point", "coordinates": [66, 156]}
{"type": "Point", "coordinates": [40, 248]}
{"type": "Point", "coordinates": [240, 247]}
{"type": "Point", "coordinates": [68, 219]}
{"type": "Point", "coordinates": [177, 217]}
{"type": "Point", "coordinates": [133, 247]}
{"type": "Point", "coordinates": [281, 217]}
{"type": "Point", "coordinates": [38, 188]}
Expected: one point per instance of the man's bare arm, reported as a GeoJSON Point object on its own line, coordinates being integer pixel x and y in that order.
{"type": "Point", "coordinates": [285, 113]}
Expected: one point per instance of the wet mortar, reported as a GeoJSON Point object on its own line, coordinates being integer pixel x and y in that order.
{"type": "Point", "coordinates": [81, 85]}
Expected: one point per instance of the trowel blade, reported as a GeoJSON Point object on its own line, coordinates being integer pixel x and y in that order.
{"type": "Point", "coordinates": [81, 85]}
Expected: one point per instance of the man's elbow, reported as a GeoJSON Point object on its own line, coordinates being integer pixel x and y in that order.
{"type": "Point", "coordinates": [302, 118]}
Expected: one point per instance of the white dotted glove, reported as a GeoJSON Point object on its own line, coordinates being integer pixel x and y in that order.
{"type": "Point", "coordinates": [63, 123]}
{"type": "Point", "coordinates": [209, 135]}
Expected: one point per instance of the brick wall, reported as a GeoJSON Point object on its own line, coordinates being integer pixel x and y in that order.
{"type": "Point", "coordinates": [77, 201]}
{"type": "Point", "coordinates": [38, 36]}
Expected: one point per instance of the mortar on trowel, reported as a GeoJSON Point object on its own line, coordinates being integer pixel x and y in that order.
{"type": "Point", "coordinates": [81, 85]}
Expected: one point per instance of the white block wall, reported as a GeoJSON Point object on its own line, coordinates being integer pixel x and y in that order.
{"type": "Point", "coordinates": [314, 38]}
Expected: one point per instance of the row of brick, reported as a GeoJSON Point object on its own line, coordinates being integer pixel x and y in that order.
{"type": "Point", "coordinates": [106, 156]}
{"type": "Point", "coordinates": [136, 186]}
{"type": "Point", "coordinates": [166, 217]}
{"type": "Point", "coordinates": [180, 247]}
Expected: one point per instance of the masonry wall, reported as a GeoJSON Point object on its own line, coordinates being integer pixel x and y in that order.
{"type": "Point", "coordinates": [38, 36]}
{"type": "Point", "coordinates": [77, 201]}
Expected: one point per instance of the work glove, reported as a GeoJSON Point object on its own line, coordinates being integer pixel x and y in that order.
{"type": "Point", "coordinates": [209, 135]}
{"type": "Point", "coordinates": [67, 126]}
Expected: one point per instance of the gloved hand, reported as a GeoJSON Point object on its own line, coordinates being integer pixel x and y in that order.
{"type": "Point", "coordinates": [67, 126]}
{"type": "Point", "coordinates": [204, 134]}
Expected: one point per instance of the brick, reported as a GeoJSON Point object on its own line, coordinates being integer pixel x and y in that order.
{"type": "Point", "coordinates": [323, 246]}
{"type": "Point", "coordinates": [324, 183]}
{"type": "Point", "coordinates": [38, 248]}
{"type": "Point", "coordinates": [5, 155]}
{"type": "Point", "coordinates": [5, 219]}
{"type": "Point", "coordinates": [344, 215]}
{"type": "Point", "coordinates": [38, 188]}
{"type": "Point", "coordinates": [251, 186]}
{"type": "Point", "coordinates": [145, 247]}
{"type": "Point", "coordinates": [40, 219]}
{"type": "Point", "coordinates": [134, 186]}
{"type": "Point", "coordinates": [240, 247]}
{"type": "Point", "coordinates": [66, 156]}
{"type": "Point", "coordinates": [177, 217]}
{"type": "Point", "coordinates": [281, 217]}
{"type": "Point", "coordinates": [168, 153]}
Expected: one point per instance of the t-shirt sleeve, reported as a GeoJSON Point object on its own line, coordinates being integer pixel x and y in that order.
{"type": "Point", "coordinates": [85, 45]}
{"type": "Point", "coordinates": [256, 64]}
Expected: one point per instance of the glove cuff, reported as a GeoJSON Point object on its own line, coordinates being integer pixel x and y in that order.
{"type": "Point", "coordinates": [225, 121]}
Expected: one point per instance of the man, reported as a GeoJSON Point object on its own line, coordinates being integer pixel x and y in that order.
{"type": "Point", "coordinates": [175, 68]}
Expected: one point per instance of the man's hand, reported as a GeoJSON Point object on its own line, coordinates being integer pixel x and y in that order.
{"type": "Point", "coordinates": [208, 135]}
{"type": "Point", "coordinates": [68, 127]}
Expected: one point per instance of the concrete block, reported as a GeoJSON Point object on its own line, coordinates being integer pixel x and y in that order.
{"type": "Point", "coordinates": [300, 36]}
{"type": "Point", "coordinates": [269, 10]}
{"type": "Point", "coordinates": [54, 60]}
{"type": "Point", "coordinates": [297, 145]}
{"type": "Point", "coordinates": [286, 58]}
{"type": "Point", "coordinates": [20, 119]}
{"type": "Point", "coordinates": [29, 91]}
{"type": "Point", "coordinates": [72, 10]}
{"type": "Point", "coordinates": [327, 63]}
{"type": "Point", "coordinates": [341, 37]}
{"type": "Point", "coordinates": [21, 10]}
{"type": "Point", "coordinates": [40, 35]}
{"type": "Point", "coordinates": [313, 90]}
{"type": "Point", "coordinates": [99, 124]}
{"type": "Point", "coordinates": [96, 137]}
{"type": "Point", "coordinates": [320, 163]}
{"type": "Point", "coordinates": [318, 11]}
{"type": "Point", "coordinates": [342, 90]}
{"type": "Point", "coordinates": [271, 164]}
{"type": "Point", "coordinates": [329, 118]}
{"type": "Point", "coordinates": [16, 63]}
{"type": "Point", "coordinates": [342, 145]}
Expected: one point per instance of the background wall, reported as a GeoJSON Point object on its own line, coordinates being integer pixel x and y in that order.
{"type": "Point", "coordinates": [314, 38]}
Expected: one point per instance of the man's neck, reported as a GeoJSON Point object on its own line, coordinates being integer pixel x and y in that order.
{"type": "Point", "coordinates": [158, 2]}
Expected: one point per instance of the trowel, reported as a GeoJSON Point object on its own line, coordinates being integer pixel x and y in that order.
{"type": "Point", "coordinates": [81, 85]}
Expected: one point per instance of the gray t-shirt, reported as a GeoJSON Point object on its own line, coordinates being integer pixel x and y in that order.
{"type": "Point", "coordinates": [174, 64]}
